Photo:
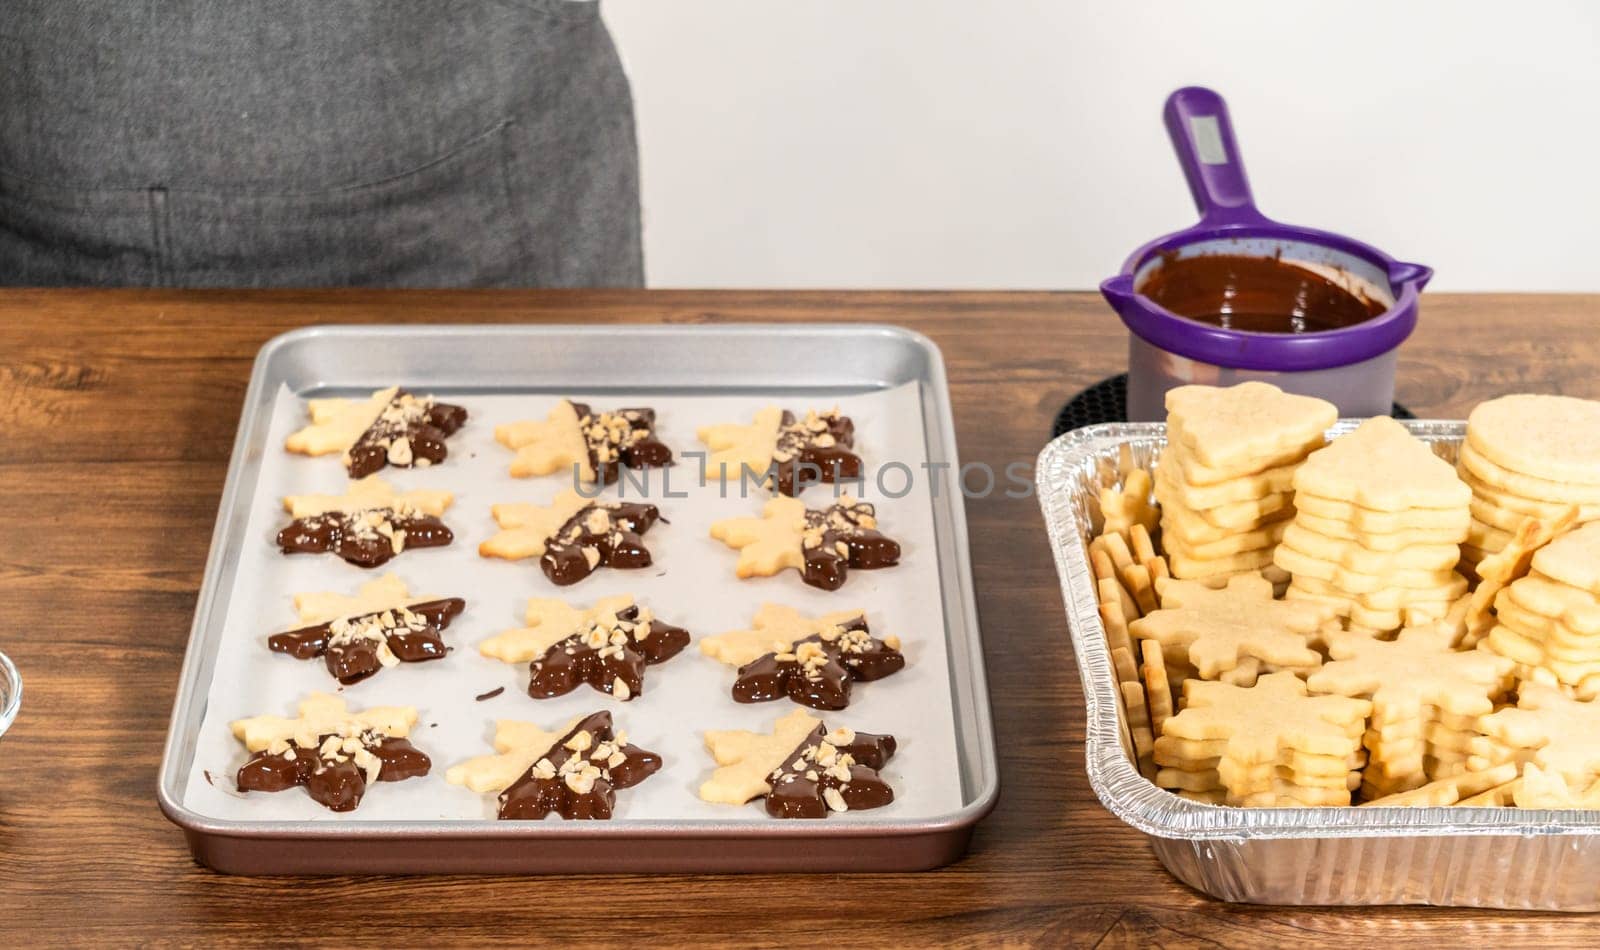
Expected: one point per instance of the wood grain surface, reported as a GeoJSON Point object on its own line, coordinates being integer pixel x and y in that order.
{"type": "Point", "coordinates": [118, 411]}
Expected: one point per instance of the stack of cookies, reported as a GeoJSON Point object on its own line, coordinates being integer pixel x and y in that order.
{"type": "Point", "coordinates": [1427, 700]}
{"type": "Point", "coordinates": [1225, 479]}
{"type": "Point", "coordinates": [1552, 735]}
{"type": "Point", "coordinates": [1268, 745]}
{"type": "Point", "coordinates": [1528, 455]}
{"type": "Point", "coordinates": [1377, 527]}
{"type": "Point", "coordinates": [1328, 638]}
{"type": "Point", "coordinates": [1548, 622]}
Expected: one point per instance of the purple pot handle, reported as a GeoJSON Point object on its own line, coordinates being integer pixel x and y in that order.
{"type": "Point", "coordinates": [1197, 121]}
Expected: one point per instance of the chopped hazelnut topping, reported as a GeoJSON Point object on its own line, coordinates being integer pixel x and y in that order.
{"type": "Point", "coordinates": [582, 782]}
{"type": "Point", "coordinates": [368, 763]}
{"type": "Point", "coordinates": [834, 799]}
{"type": "Point", "coordinates": [400, 451]}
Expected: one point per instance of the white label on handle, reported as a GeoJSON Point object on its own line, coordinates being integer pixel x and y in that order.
{"type": "Point", "coordinates": [1208, 140]}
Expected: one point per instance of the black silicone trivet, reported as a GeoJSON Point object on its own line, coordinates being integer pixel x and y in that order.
{"type": "Point", "coordinates": [1107, 401]}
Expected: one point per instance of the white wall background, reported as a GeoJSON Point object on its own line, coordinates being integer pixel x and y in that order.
{"type": "Point", "coordinates": [1018, 143]}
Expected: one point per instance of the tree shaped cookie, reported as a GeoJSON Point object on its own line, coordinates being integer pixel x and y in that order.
{"type": "Point", "coordinates": [1259, 724]}
{"type": "Point", "coordinates": [1217, 629]}
{"type": "Point", "coordinates": [598, 445]}
{"type": "Point", "coordinates": [574, 771]}
{"type": "Point", "coordinates": [804, 770]}
{"type": "Point", "coordinates": [820, 543]}
{"type": "Point", "coordinates": [367, 525]}
{"type": "Point", "coordinates": [813, 661]}
{"type": "Point", "coordinates": [607, 646]}
{"type": "Point", "coordinates": [381, 626]}
{"type": "Point", "coordinates": [331, 751]}
{"type": "Point", "coordinates": [785, 452]}
{"type": "Point", "coordinates": [391, 427]}
{"type": "Point", "coordinates": [1382, 466]}
{"type": "Point", "coordinates": [573, 536]}
{"type": "Point", "coordinates": [1558, 730]}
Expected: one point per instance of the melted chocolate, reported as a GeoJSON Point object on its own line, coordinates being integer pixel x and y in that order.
{"type": "Point", "coordinates": [420, 424]}
{"type": "Point", "coordinates": [352, 537]}
{"type": "Point", "coordinates": [579, 783]}
{"type": "Point", "coordinates": [849, 767]}
{"type": "Point", "coordinates": [844, 536]}
{"type": "Point", "coordinates": [353, 659]}
{"type": "Point", "coordinates": [819, 675]}
{"type": "Point", "coordinates": [625, 438]}
{"type": "Point", "coordinates": [334, 781]}
{"type": "Point", "coordinates": [602, 656]}
{"type": "Point", "coordinates": [1255, 294]}
{"type": "Point", "coordinates": [604, 534]}
{"type": "Point", "coordinates": [816, 448]}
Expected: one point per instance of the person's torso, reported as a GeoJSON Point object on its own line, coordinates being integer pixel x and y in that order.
{"type": "Point", "coordinates": [259, 97]}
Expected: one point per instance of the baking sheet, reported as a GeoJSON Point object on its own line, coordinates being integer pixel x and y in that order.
{"type": "Point", "coordinates": [691, 585]}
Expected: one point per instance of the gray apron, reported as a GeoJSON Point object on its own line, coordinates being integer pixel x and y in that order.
{"type": "Point", "coordinates": [301, 143]}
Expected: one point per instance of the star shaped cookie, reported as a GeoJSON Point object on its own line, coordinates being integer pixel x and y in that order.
{"type": "Point", "coordinates": [785, 452]}
{"type": "Point", "coordinates": [803, 769]}
{"type": "Point", "coordinates": [1217, 629]}
{"type": "Point", "coordinates": [573, 536]}
{"type": "Point", "coordinates": [596, 445]}
{"type": "Point", "coordinates": [367, 525]}
{"type": "Point", "coordinates": [607, 646]}
{"type": "Point", "coordinates": [573, 771]}
{"type": "Point", "coordinates": [822, 543]}
{"type": "Point", "coordinates": [391, 427]}
{"type": "Point", "coordinates": [380, 627]}
{"type": "Point", "coordinates": [813, 661]}
{"type": "Point", "coordinates": [335, 753]}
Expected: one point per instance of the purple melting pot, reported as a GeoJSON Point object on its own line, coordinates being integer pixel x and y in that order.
{"type": "Point", "coordinates": [1352, 367]}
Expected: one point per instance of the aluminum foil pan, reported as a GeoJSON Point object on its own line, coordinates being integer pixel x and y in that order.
{"type": "Point", "coordinates": [1473, 857]}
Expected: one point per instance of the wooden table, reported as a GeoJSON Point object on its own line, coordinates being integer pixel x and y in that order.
{"type": "Point", "coordinates": [119, 411]}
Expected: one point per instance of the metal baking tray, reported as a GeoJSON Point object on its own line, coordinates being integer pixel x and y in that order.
{"type": "Point", "coordinates": [1472, 857]}
{"type": "Point", "coordinates": [816, 360]}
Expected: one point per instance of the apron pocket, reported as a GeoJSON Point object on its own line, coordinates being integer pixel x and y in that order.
{"type": "Point", "coordinates": [448, 223]}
